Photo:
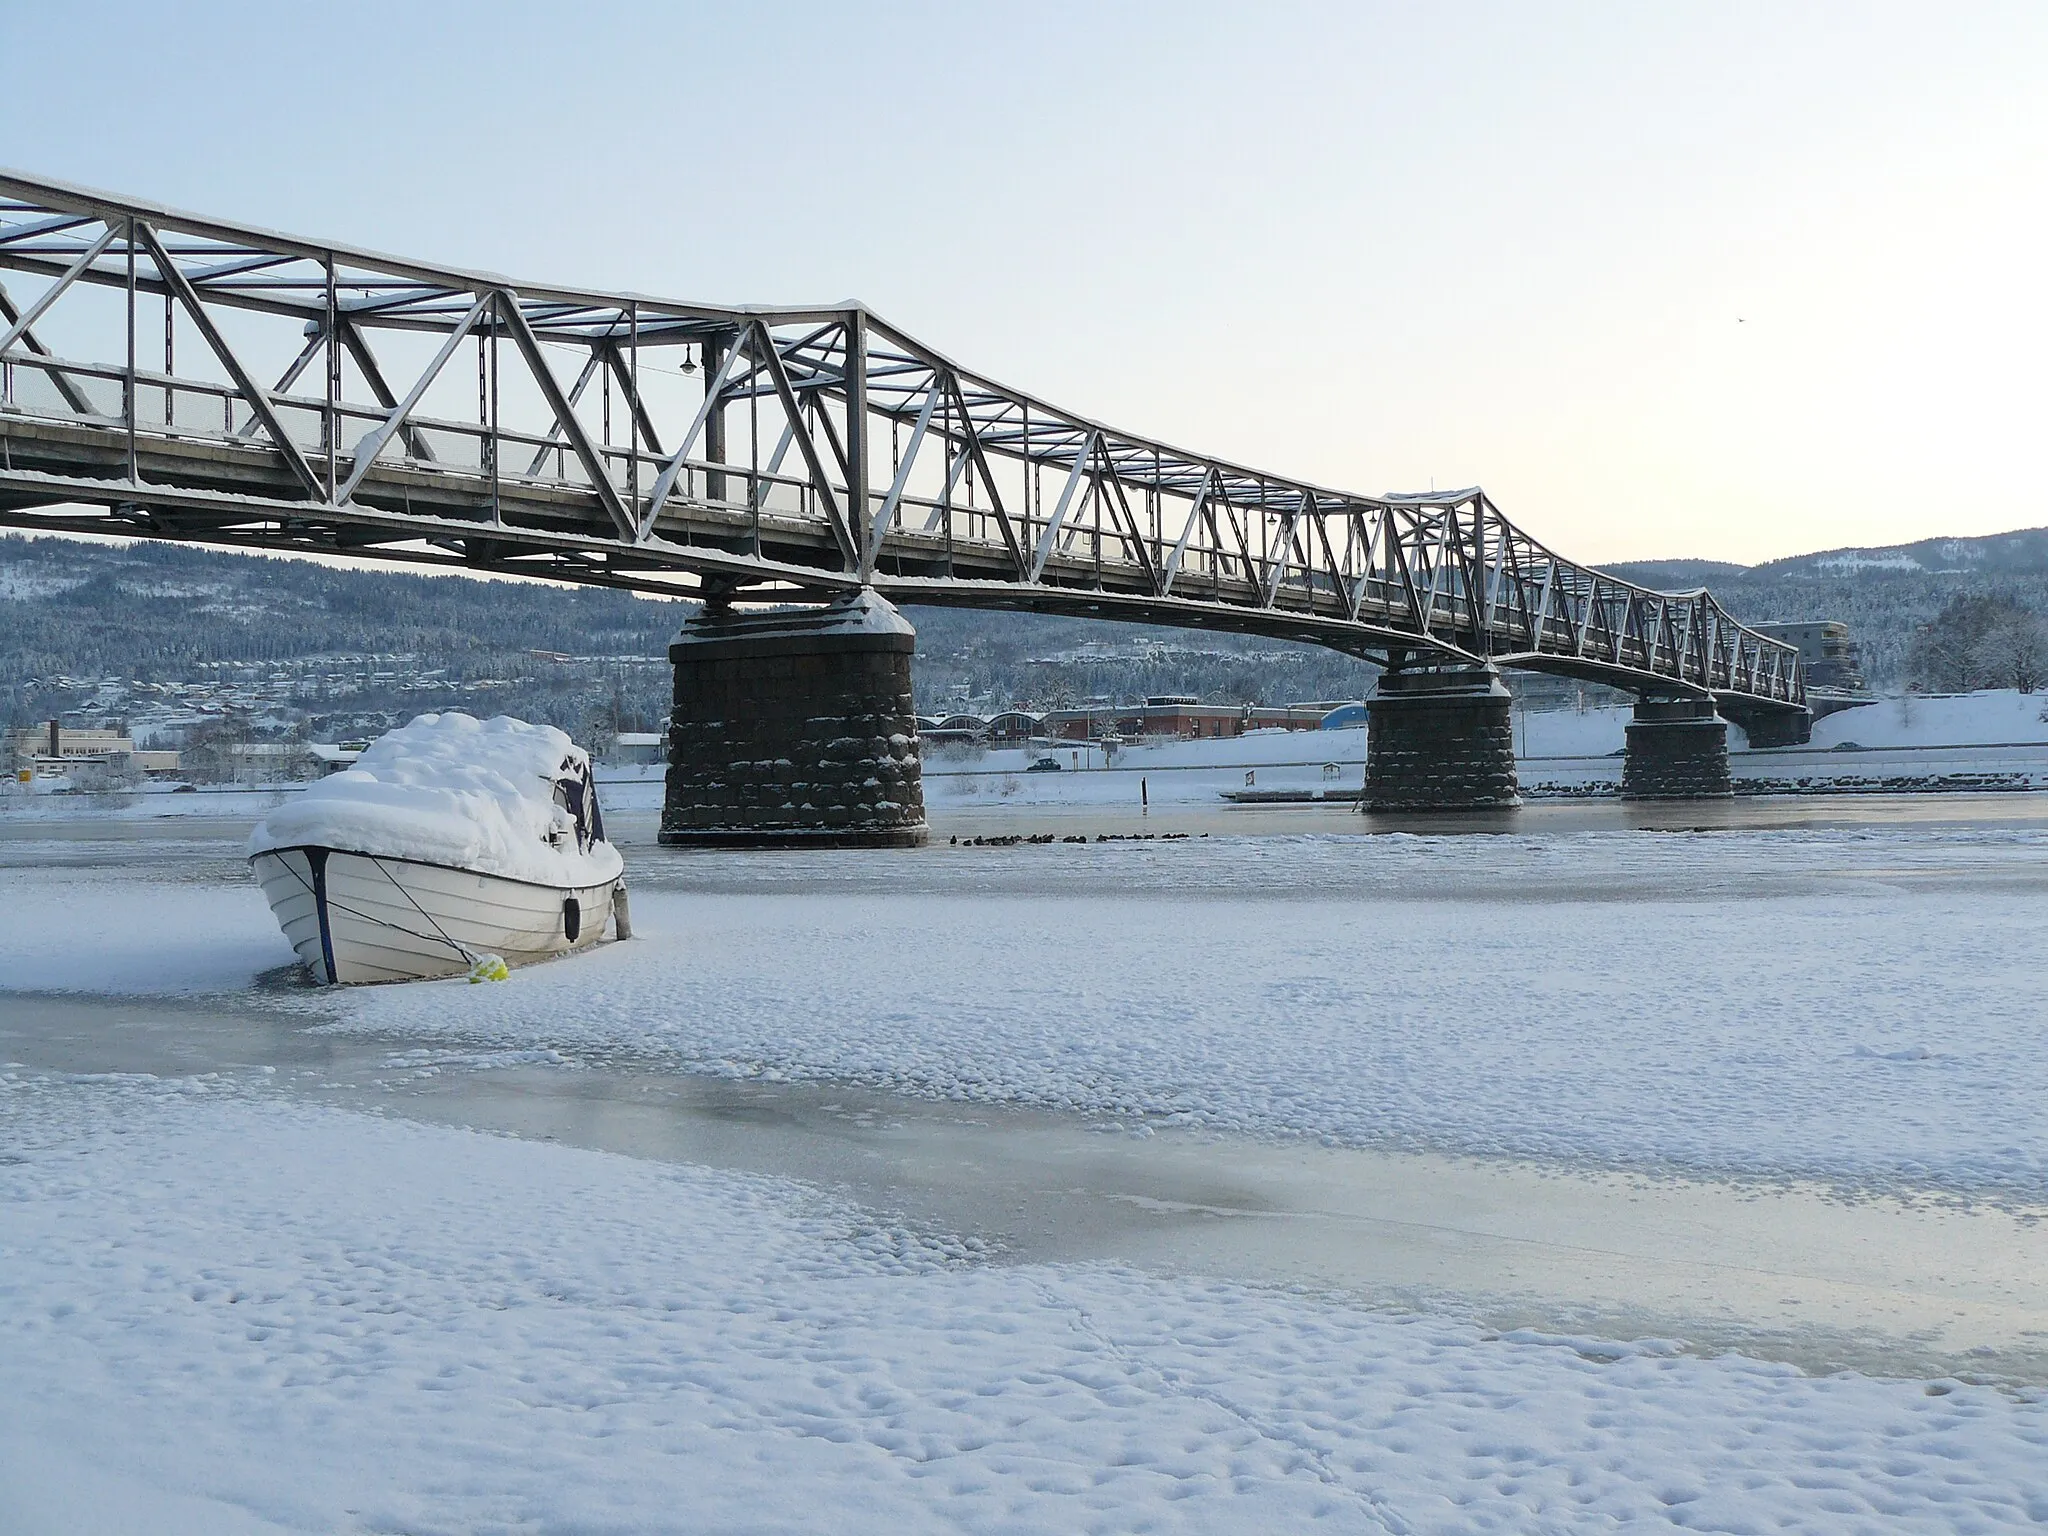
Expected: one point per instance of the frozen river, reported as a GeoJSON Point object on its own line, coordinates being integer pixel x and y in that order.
{"type": "Point", "coordinates": [1632, 1087]}
{"type": "Point", "coordinates": [1621, 1236]}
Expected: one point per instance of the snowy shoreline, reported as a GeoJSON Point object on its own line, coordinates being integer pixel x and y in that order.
{"type": "Point", "coordinates": [1992, 741]}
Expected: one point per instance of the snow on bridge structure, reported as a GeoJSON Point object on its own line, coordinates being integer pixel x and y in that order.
{"type": "Point", "coordinates": [166, 375]}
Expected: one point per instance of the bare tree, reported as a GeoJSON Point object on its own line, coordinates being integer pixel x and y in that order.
{"type": "Point", "coordinates": [1984, 641]}
{"type": "Point", "coordinates": [2014, 651]}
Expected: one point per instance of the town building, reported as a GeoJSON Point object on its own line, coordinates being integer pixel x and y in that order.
{"type": "Point", "coordinates": [51, 749]}
{"type": "Point", "coordinates": [639, 748]}
{"type": "Point", "coordinates": [1831, 657]}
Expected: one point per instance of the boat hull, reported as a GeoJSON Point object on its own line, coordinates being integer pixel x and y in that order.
{"type": "Point", "coordinates": [354, 917]}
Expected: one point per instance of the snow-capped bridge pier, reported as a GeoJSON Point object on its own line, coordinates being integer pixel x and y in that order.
{"type": "Point", "coordinates": [165, 375]}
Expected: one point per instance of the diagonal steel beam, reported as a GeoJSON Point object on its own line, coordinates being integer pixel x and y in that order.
{"type": "Point", "coordinates": [944, 503]}
{"type": "Point", "coordinates": [16, 233]}
{"type": "Point", "coordinates": [1439, 562]}
{"type": "Point", "coordinates": [55, 291]}
{"type": "Point", "coordinates": [315, 340]}
{"type": "Point", "coordinates": [1237, 529]}
{"type": "Point", "coordinates": [1397, 547]}
{"type": "Point", "coordinates": [771, 360]}
{"type": "Point", "coordinates": [1276, 571]}
{"type": "Point", "coordinates": [257, 261]}
{"type": "Point", "coordinates": [1180, 548]}
{"type": "Point", "coordinates": [372, 442]}
{"type": "Point", "coordinates": [815, 400]}
{"type": "Point", "coordinates": [616, 360]}
{"type": "Point", "coordinates": [1495, 575]}
{"type": "Point", "coordinates": [1050, 537]}
{"type": "Point", "coordinates": [547, 446]}
{"type": "Point", "coordinates": [1543, 604]}
{"type": "Point", "coordinates": [1682, 637]}
{"type": "Point", "coordinates": [1511, 588]}
{"type": "Point", "coordinates": [358, 347]}
{"type": "Point", "coordinates": [995, 496]}
{"type": "Point", "coordinates": [257, 397]}
{"type": "Point", "coordinates": [507, 310]}
{"type": "Point", "coordinates": [1581, 617]}
{"type": "Point", "coordinates": [1336, 566]}
{"type": "Point", "coordinates": [665, 481]}
{"type": "Point", "coordinates": [1371, 527]}
{"type": "Point", "coordinates": [885, 516]}
{"type": "Point", "coordinates": [73, 395]}
{"type": "Point", "coordinates": [1136, 534]}
{"type": "Point", "coordinates": [774, 464]}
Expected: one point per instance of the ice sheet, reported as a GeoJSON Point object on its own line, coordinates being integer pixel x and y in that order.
{"type": "Point", "coordinates": [1860, 1007]}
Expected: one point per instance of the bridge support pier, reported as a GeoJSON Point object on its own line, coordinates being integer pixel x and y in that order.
{"type": "Point", "coordinates": [1767, 727]}
{"type": "Point", "coordinates": [1438, 738]}
{"type": "Point", "coordinates": [1677, 750]}
{"type": "Point", "coordinates": [794, 729]}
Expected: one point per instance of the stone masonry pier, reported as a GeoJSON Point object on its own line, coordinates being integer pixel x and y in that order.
{"type": "Point", "coordinates": [1677, 750]}
{"type": "Point", "coordinates": [1439, 738]}
{"type": "Point", "coordinates": [794, 728]}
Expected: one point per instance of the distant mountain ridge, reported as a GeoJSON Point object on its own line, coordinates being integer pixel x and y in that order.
{"type": "Point", "coordinates": [1674, 575]}
{"type": "Point", "coordinates": [2023, 552]}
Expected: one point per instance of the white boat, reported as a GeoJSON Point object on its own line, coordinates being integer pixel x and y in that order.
{"type": "Point", "coordinates": [369, 917]}
{"type": "Point", "coordinates": [450, 844]}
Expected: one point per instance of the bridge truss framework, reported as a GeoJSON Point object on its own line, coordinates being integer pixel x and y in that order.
{"type": "Point", "coordinates": [169, 376]}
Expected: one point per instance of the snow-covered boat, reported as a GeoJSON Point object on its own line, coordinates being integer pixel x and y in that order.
{"type": "Point", "coordinates": [451, 843]}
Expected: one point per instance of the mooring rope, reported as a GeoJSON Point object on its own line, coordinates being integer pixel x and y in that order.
{"type": "Point", "coordinates": [384, 922]}
{"type": "Point", "coordinates": [461, 949]}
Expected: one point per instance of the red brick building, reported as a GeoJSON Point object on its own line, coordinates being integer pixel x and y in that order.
{"type": "Point", "coordinates": [1172, 718]}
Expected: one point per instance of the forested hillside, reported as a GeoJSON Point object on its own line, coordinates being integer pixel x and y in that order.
{"type": "Point", "coordinates": [1883, 595]}
{"type": "Point", "coordinates": [348, 648]}
{"type": "Point", "coordinates": [154, 611]}
{"type": "Point", "coordinates": [160, 613]}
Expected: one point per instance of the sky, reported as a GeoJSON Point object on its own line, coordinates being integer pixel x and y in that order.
{"type": "Point", "coordinates": [1729, 281]}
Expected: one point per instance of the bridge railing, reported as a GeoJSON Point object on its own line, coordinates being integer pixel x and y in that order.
{"type": "Point", "coordinates": [179, 377]}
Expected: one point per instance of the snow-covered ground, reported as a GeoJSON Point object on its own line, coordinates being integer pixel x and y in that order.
{"type": "Point", "coordinates": [1948, 736]}
{"type": "Point", "coordinates": [1993, 732]}
{"type": "Point", "coordinates": [1994, 717]}
{"type": "Point", "coordinates": [145, 803]}
{"type": "Point", "coordinates": [225, 1306]}
{"type": "Point", "coordinates": [226, 1312]}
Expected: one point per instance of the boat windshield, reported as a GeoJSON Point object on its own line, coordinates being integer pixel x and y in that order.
{"type": "Point", "coordinates": [576, 793]}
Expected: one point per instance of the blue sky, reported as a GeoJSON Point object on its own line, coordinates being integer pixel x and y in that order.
{"type": "Point", "coordinates": [1728, 280]}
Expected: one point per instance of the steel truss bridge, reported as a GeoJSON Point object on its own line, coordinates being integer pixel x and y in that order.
{"type": "Point", "coordinates": [169, 376]}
